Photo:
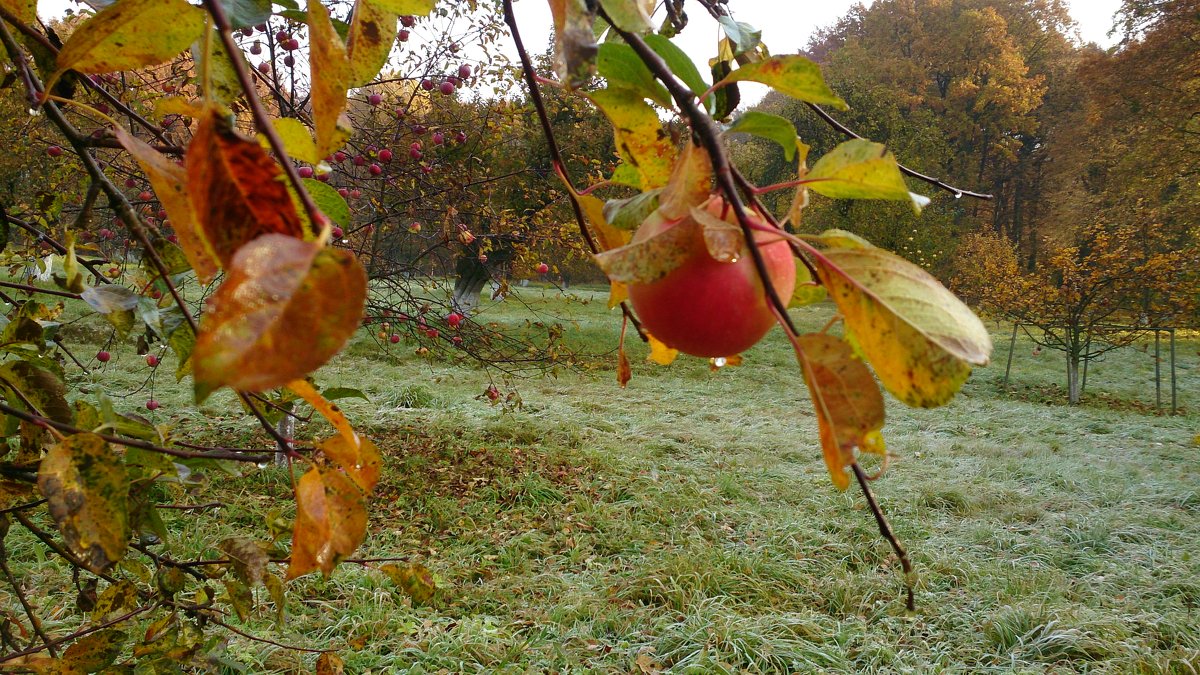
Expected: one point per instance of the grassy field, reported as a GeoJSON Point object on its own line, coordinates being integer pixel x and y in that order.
{"type": "Point", "coordinates": [687, 524]}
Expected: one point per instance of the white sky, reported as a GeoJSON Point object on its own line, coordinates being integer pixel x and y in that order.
{"type": "Point", "coordinates": [786, 25]}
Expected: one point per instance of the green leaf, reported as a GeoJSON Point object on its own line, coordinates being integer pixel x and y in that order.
{"type": "Point", "coordinates": [24, 10]}
{"type": "Point", "coordinates": [243, 13]}
{"type": "Point", "coordinates": [632, 16]}
{"type": "Point", "coordinates": [628, 214]}
{"type": "Point", "coordinates": [328, 200]}
{"type": "Point", "coordinates": [640, 139]}
{"type": "Point", "coordinates": [793, 75]}
{"type": "Point", "coordinates": [131, 34]}
{"type": "Point", "coordinates": [337, 393]}
{"type": "Point", "coordinates": [846, 400]}
{"type": "Point", "coordinates": [182, 341]}
{"type": "Point", "coordinates": [807, 291]}
{"type": "Point", "coordinates": [297, 139]}
{"type": "Point", "coordinates": [770, 127]}
{"type": "Point", "coordinates": [369, 42]}
{"type": "Point", "coordinates": [86, 488]}
{"type": "Point", "coordinates": [746, 38]}
{"type": "Point", "coordinates": [860, 169]}
{"type": "Point", "coordinates": [116, 598]}
{"type": "Point", "coordinates": [278, 597]}
{"type": "Point", "coordinates": [620, 66]}
{"type": "Point", "coordinates": [680, 63]}
{"type": "Point", "coordinates": [224, 85]}
{"type": "Point", "coordinates": [920, 339]}
{"type": "Point", "coordinates": [285, 309]}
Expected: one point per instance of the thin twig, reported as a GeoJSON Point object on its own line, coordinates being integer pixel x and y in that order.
{"type": "Point", "coordinates": [885, 529]}
{"type": "Point", "coordinates": [535, 93]}
{"type": "Point", "coordinates": [16, 586]}
{"type": "Point", "coordinates": [80, 633]}
{"type": "Point", "coordinates": [267, 641]}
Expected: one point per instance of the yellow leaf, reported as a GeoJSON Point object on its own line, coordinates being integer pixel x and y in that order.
{"type": "Point", "coordinates": [131, 34]}
{"type": "Point", "coordinates": [372, 34]}
{"type": "Point", "coordinates": [641, 141]}
{"type": "Point", "coordinates": [87, 489]}
{"type": "Point", "coordinates": [617, 293]}
{"type": "Point", "coordinates": [660, 353]}
{"type": "Point", "coordinates": [920, 339]}
{"type": "Point", "coordinates": [297, 140]}
{"type": "Point", "coordinates": [330, 75]}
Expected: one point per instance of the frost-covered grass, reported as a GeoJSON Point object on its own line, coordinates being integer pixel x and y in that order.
{"type": "Point", "coordinates": [687, 522]}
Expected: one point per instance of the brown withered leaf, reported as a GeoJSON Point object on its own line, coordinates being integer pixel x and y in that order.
{"type": "Point", "coordinates": [723, 239]}
{"type": "Point", "coordinates": [169, 181]}
{"type": "Point", "coordinates": [86, 489]}
{"type": "Point", "coordinates": [330, 664]}
{"type": "Point", "coordinates": [846, 399]}
{"type": "Point", "coordinates": [237, 190]}
{"type": "Point", "coordinates": [249, 559]}
{"type": "Point", "coordinates": [624, 371]}
{"type": "Point", "coordinates": [286, 307]}
{"type": "Point", "coordinates": [94, 652]}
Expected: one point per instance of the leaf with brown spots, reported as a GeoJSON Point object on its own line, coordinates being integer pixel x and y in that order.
{"type": "Point", "coordinates": [846, 399]}
{"type": "Point", "coordinates": [86, 489]}
{"type": "Point", "coordinates": [93, 653]}
{"type": "Point", "coordinates": [330, 664]}
{"type": "Point", "coordinates": [919, 338]}
{"type": "Point", "coordinates": [372, 34]}
{"type": "Point", "coordinates": [169, 181]}
{"type": "Point", "coordinates": [652, 258]}
{"type": "Point", "coordinates": [131, 34]}
{"type": "Point", "coordinates": [237, 190]}
{"type": "Point", "coordinates": [286, 308]}
{"type": "Point", "coordinates": [641, 141]}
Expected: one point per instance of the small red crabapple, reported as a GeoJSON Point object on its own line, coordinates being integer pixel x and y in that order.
{"type": "Point", "coordinates": [376, 169]}
{"type": "Point", "coordinates": [543, 268]}
{"type": "Point", "coordinates": [306, 172]}
{"type": "Point", "coordinates": [292, 45]}
{"type": "Point", "coordinates": [427, 84]}
{"type": "Point", "coordinates": [152, 360]}
{"type": "Point", "coordinates": [460, 137]}
{"type": "Point", "coordinates": [414, 227]}
{"type": "Point", "coordinates": [54, 151]}
{"type": "Point", "coordinates": [338, 232]}
{"type": "Point", "coordinates": [355, 194]}
{"type": "Point", "coordinates": [464, 71]}
{"type": "Point", "coordinates": [339, 156]}
{"type": "Point", "coordinates": [454, 319]}
{"type": "Point", "coordinates": [374, 99]}
{"type": "Point", "coordinates": [289, 61]}
{"type": "Point", "coordinates": [385, 155]}
{"type": "Point", "coordinates": [408, 20]}
{"type": "Point", "coordinates": [402, 35]}
{"type": "Point", "coordinates": [433, 333]}
{"type": "Point", "coordinates": [438, 138]}
{"type": "Point", "coordinates": [129, 182]}
{"type": "Point", "coordinates": [145, 196]}
{"type": "Point", "coordinates": [446, 87]}
{"type": "Point", "coordinates": [103, 356]}
{"type": "Point", "coordinates": [151, 405]}
{"type": "Point", "coordinates": [247, 31]}
{"type": "Point", "coordinates": [173, 238]}
{"type": "Point", "coordinates": [343, 192]}
{"type": "Point", "coordinates": [264, 67]}
{"type": "Point", "coordinates": [359, 160]}
{"type": "Point", "coordinates": [394, 338]}
{"type": "Point", "coordinates": [256, 49]}
{"type": "Point", "coordinates": [456, 340]}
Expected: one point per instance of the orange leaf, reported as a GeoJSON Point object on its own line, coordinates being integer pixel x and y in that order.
{"type": "Point", "coordinates": [360, 461]}
{"type": "Point", "coordinates": [624, 371]}
{"type": "Point", "coordinates": [331, 522]}
{"type": "Point", "coordinates": [310, 534]}
{"type": "Point", "coordinates": [170, 185]}
{"type": "Point", "coordinates": [237, 190]}
{"type": "Point", "coordinates": [286, 308]}
{"type": "Point", "coordinates": [846, 399]}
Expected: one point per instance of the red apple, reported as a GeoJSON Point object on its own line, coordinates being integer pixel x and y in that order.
{"type": "Point", "coordinates": [394, 338]}
{"type": "Point", "coordinates": [543, 268]}
{"type": "Point", "coordinates": [454, 319]}
{"type": "Point", "coordinates": [385, 155]}
{"type": "Point", "coordinates": [710, 308]}
{"type": "Point", "coordinates": [408, 20]}
{"type": "Point", "coordinates": [151, 405]}
{"type": "Point", "coordinates": [376, 169]}
{"type": "Point", "coordinates": [464, 71]}
{"type": "Point", "coordinates": [306, 172]}
{"type": "Point", "coordinates": [152, 360]}
{"type": "Point", "coordinates": [446, 87]}
{"type": "Point", "coordinates": [402, 35]}
{"type": "Point", "coordinates": [103, 356]}
{"type": "Point", "coordinates": [374, 99]}
{"type": "Point", "coordinates": [427, 84]}
{"type": "Point", "coordinates": [337, 232]}
{"type": "Point", "coordinates": [54, 151]}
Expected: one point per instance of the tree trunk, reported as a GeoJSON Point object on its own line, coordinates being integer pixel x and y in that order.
{"type": "Point", "coordinates": [1073, 389]}
{"type": "Point", "coordinates": [286, 428]}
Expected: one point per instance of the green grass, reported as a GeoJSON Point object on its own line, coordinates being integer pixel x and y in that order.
{"type": "Point", "coordinates": [688, 520]}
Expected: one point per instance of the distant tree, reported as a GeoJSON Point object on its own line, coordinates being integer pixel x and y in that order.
{"type": "Point", "coordinates": [1083, 298]}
